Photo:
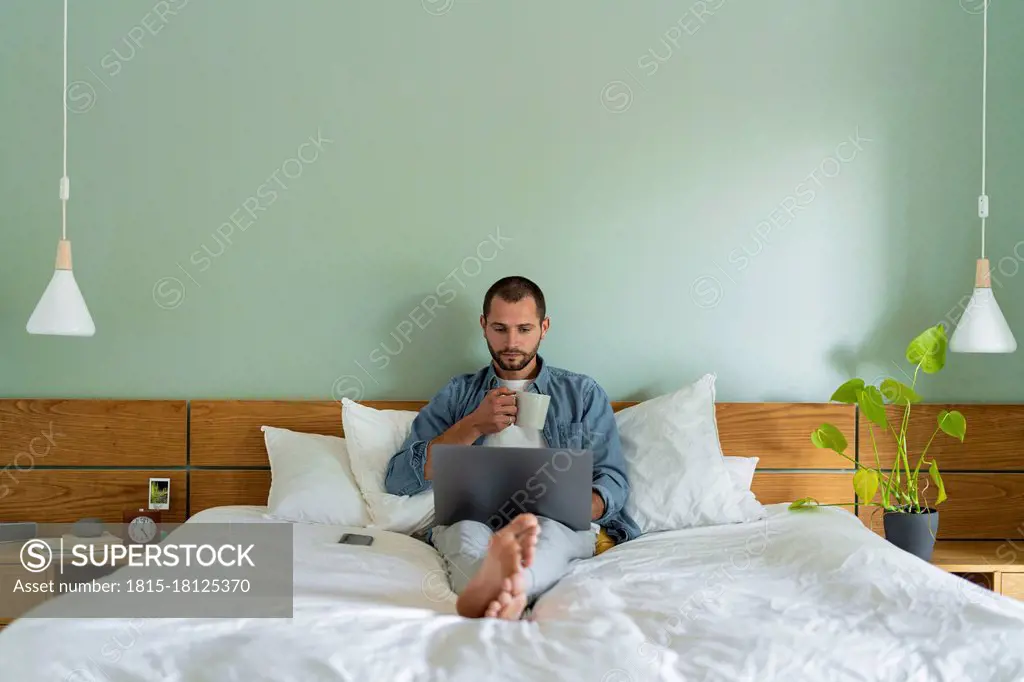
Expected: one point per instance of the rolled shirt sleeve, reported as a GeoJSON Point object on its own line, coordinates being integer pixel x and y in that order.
{"type": "Point", "coordinates": [405, 474]}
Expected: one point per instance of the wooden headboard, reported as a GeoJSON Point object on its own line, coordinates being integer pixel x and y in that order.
{"type": "Point", "coordinates": [61, 460]}
{"type": "Point", "coordinates": [229, 460]}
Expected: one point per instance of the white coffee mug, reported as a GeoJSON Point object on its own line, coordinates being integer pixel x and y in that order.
{"type": "Point", "coordinates": [531, 409]}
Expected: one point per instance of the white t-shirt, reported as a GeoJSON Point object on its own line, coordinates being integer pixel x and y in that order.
{"type": "Point", "coordinates": [516, 436]}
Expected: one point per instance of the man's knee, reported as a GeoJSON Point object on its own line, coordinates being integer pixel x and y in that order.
{"type": "Point", "coordinates": [471, 528]}
{"type": "Point", "coordinates": [463, 535]}
{"type": "Point", "coordinates": [550, 527]}
{"type": "Point", "coordinates": [553, 532]}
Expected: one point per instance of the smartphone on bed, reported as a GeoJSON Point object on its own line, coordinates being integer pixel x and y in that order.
{"type": "Point", "coordinates": [356, 539]}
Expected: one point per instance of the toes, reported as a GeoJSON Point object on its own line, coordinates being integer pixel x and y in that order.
{"type": "Point", "coordinates": [514, 609]}
{"type": "Point", "coordinates": [500, 604]}
{"type": "Point", "coordinates": [525, 530]}
{"type": "Point", "coordinates": [518, 587]}
{"type": "Point", "coordinates": [528, 535]}
{"type": "Point", "coordinates": [524, 523]}
{"type": "Point", "coordinates": [528, 550]}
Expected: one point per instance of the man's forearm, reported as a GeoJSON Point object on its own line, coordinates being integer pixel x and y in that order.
{"type": "Point", "coordinates": [462, 432]}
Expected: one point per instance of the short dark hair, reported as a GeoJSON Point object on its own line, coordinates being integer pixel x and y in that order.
{"type": "Point", "coordinates": [514, 289]}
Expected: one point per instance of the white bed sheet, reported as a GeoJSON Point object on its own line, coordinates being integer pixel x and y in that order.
{"type": "Point", "coordinates": [799, 596]}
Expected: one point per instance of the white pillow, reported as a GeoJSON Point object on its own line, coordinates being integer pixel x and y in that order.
{"type": "Point", "coordinates": [311, 479]}
{"type": "Point", "coordinates": [374, 436]}
{"type": "Point", "coordinates": [677, 472]}
{"type": "Point", "coordinates": [741, 470]}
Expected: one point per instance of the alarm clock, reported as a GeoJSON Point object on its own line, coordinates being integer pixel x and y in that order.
{"type": "Point", "coordinates": [143, 527]}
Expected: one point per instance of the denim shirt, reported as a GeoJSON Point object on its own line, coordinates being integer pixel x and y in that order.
{"type": "Point", "coordinates": [579, 416]}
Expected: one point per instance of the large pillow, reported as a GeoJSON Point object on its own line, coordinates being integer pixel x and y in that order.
{"type": "Point", "coordinates": [311, 479]}
{"type": "Point", "coordinates": [677, 472]}
{"type": "Point", "coordinates": [374, 436]}
{"type": "Point", "coordinates": [741, 470]}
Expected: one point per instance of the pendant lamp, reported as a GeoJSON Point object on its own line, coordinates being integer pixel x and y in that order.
{"type": "Point", "coordinates": [982, 327]}
{"type": "Point", "coordinates": [62, 310]}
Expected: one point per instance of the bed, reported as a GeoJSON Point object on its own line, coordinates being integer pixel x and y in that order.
{"type": "Point", "coordinates": [796, 596]}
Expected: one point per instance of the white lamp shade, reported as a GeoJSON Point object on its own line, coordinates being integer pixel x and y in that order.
{"type": "Point", "coordinates": [62, 310]}
{"type": "Point", "coordinates": [982, 327]}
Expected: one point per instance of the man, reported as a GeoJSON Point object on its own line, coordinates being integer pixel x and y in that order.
{"type": "Point", "coordinates": [495, 574]}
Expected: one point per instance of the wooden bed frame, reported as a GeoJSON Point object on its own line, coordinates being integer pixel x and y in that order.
{"type": "Point", "coordinates": [61, 460]}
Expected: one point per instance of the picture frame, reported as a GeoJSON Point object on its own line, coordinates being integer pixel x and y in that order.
{"type": "Point", "coordinates": [159, 493]}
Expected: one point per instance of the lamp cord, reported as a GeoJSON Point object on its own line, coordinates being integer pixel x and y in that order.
{"type": "Point", "coordinates": [64, 183]}
{"type": "Point", "coordinates": [983, 200]}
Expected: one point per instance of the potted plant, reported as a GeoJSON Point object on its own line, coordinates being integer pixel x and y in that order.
{"type": "Point", "coordinates": [910, 523]}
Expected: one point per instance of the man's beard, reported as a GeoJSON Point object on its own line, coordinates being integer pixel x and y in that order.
{"type": "Point", "coordinates": [513, 364]}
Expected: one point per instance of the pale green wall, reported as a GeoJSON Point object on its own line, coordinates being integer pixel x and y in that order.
{"type": "Point", "coordinates": [447, 125]}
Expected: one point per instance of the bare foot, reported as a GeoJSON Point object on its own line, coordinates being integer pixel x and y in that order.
{"type": "Point", "coordinates": [501, 572]}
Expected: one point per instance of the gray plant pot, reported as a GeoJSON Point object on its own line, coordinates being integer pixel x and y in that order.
{"type": "Point", "coordinates": [914, 533]}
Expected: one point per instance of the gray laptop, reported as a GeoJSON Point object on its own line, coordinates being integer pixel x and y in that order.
{"type": "Point", "coordinates": [493, 485]}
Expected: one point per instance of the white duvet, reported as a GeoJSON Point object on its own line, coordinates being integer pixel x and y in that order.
{"type": "Point", "coordinates": [798, 596]}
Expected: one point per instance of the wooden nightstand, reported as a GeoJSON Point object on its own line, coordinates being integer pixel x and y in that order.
{"type": "Point", "coordinates": [11, 571]}
{"type": "Point", "coordinates": [995, 564]}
